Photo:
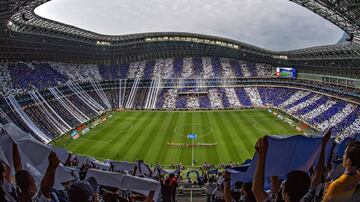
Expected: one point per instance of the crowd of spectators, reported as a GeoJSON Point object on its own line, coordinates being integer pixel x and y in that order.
{"type": "Point", "coordinates": [227, 70]}
{"type": "Point", "coordinates": [297, 96]}
{"type": "Point", "coordinates": [215, 99]}
{"type": "Point", "coordinates": [208, 70]}
{"type": "Point", "coordinates": [79, 103]}
{"type": "Point", "coordinates": [311, 106]}
{"type": "Point", "coordinates": [243, 97]}
{"type": "Point", "coordinates": [319, 108]}
{"type": "Point", "coordinates": [304, 104]}
{"type": "Point", "coordinates": [170, 99]}
{"type": "Point", "coordinates": [136, 70]}
{"type": "Point", "coordinates": [38, 76]}
{"type": "Point", "coordinates": [338, 117]}
{"type": "Point", "coordinates": [163, 69]}
{"type": "Point", "coordinates": [193, 102]}
{"type": "Point", "coordinates": [149, 69]}
{"type": "Point", "coordinates": [245, 70]}
{"type": "Point", "coordinates": [232, 97]}
{"type": "Point", "coordinates": [77, 73]}
{"type": "Point", "coordinates": [254, 96]}
{"type": "Point", "coordinates": [5, 82]}
{"type": "Point", "coordinates": [188, 68]}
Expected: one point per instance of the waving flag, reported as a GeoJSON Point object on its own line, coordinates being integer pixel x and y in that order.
{"type": "Point", "coordinates": [285, 154]}
{"type": "Point", "coordinates": [126, 182]}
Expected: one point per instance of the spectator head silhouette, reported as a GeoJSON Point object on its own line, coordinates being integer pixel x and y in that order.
{"type": "Point", "coordinates": [295, 186]}
{"type": "Point", "coordinates": [83, 190]}
{"type": "Point", "coordinates": [26, 184]}
{"type": "Point", "coordinates": [351, 156]}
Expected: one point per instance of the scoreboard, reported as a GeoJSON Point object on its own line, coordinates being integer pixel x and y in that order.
{"type": "Point", "coordinates": [285, 72]}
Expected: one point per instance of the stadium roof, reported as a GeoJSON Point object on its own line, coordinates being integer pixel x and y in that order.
{"type": "Point", "coordinates": [271, 24]}
{"type": "Point", "coordinates": [27, 36]}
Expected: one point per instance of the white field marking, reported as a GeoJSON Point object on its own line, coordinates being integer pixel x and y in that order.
{"type": "Point", "coordinates": [192, 147]}
{"type": "Point", "coordinates": [101, 141]}
{"type": "Point", "coordinates": [192, 154]}
{"type": "Point", "coordinates": [257, 123]}
{"type": "Point", "coordinates": [125, 130]}
{"type": "Point", "coordinates": [121, 131]}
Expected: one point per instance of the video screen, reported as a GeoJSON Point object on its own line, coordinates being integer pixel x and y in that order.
{"type": "Point", "coordinates": [285, 72]}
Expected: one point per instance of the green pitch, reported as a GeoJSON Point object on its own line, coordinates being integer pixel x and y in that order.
{"type": "Point", "coordinates": [160, 137]}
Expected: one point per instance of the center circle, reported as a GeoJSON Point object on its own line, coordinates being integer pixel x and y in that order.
{"type": "Point", "coordinates": [199, 129]}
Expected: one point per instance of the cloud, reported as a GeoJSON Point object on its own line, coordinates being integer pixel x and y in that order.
{"type": "Point", "coordinates": [272, 24]}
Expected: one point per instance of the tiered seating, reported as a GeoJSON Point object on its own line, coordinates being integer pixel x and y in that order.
{"type": "Point", "coordinates": [64, 113]}
{"type": "Point", "coordinates": [224, 98]}
{"type": "Point", "coordinates": [136, 70]}
{"type": "Point", "coordinates": [188, 69]}
{"type": "Point", "coordinates": [318, 111]}
{"type": "Point", "coordinates": [294, 98]}
{"type": "Point", "coordinates": [312, 106]}
{"type": "Point", "coordinates": [38, 76]}
{"type": "Point", "coordinates": [78, 73]}
{"type": "Point", "coordinates": [232, 97]}
{"type": "Point", "coordinates": [113, 72]}
{"type": "Point", "coordinates": [181, 102]}
{"type": "Point", "coordinates": [245, 70]}
{"type": "Point", "coordinates": [300, 101]}
{"type": "Point", "coordinates": [6, 86]}
{"type": "Point", "coordinates": [208, 70]}
{"type": "Point", "coordinates": [217, 68]}
{"type": "Point", "coordinates": [252, 69]}
{"type": "Point", "coordinates": [215, 99]}
{"type": "Point", "coordinates": [261, 70]}
{"type": "Point", "coordinates": [161, 99]}
{"type": "Point", "coordinates": [35, 76]}
{"type": "Point", "coordinates": [276, 96]}
{"type": "Point", "coordinates": [254, 96]}
{"type": "Point", "coordinates": [170, 99]}
{"type": "Point", "coordinates": [178, 67]}
{"type": "Point", "coordinates": [338, 117]}
{"type": "Point", "coordinates": [227, 70]}
{"type": "Point", "coordinates": [236, 67]}
{"type": "Point", "coordinates": [326, 111]}
{"type": "Point", "coordinates": [198, 68]}
{"type": "Point", "coordinates": [163, 68]}
{"type": "Point", "coordinates": [192, 102]}
{"type": "Point", "coordinates": [149, 68]}
{"type": "Point", "coordinates": [243, 97]}
{"type": "Point", "coordinates": [304, 104]}
{"type": "Point", "coordinates": [204, 102]}
{"type": "Point", "coordinates": [350, 125]}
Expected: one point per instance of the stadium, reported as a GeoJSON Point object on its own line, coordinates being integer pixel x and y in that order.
{"type": "Point", "coordinates": [176, 116]}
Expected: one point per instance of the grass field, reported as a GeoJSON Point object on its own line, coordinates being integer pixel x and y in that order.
{"type": "Point", "coordinates": [134, 135]}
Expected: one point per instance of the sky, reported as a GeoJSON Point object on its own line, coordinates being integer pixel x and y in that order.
{"type": "Point", "coordinates": [270, 24]}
